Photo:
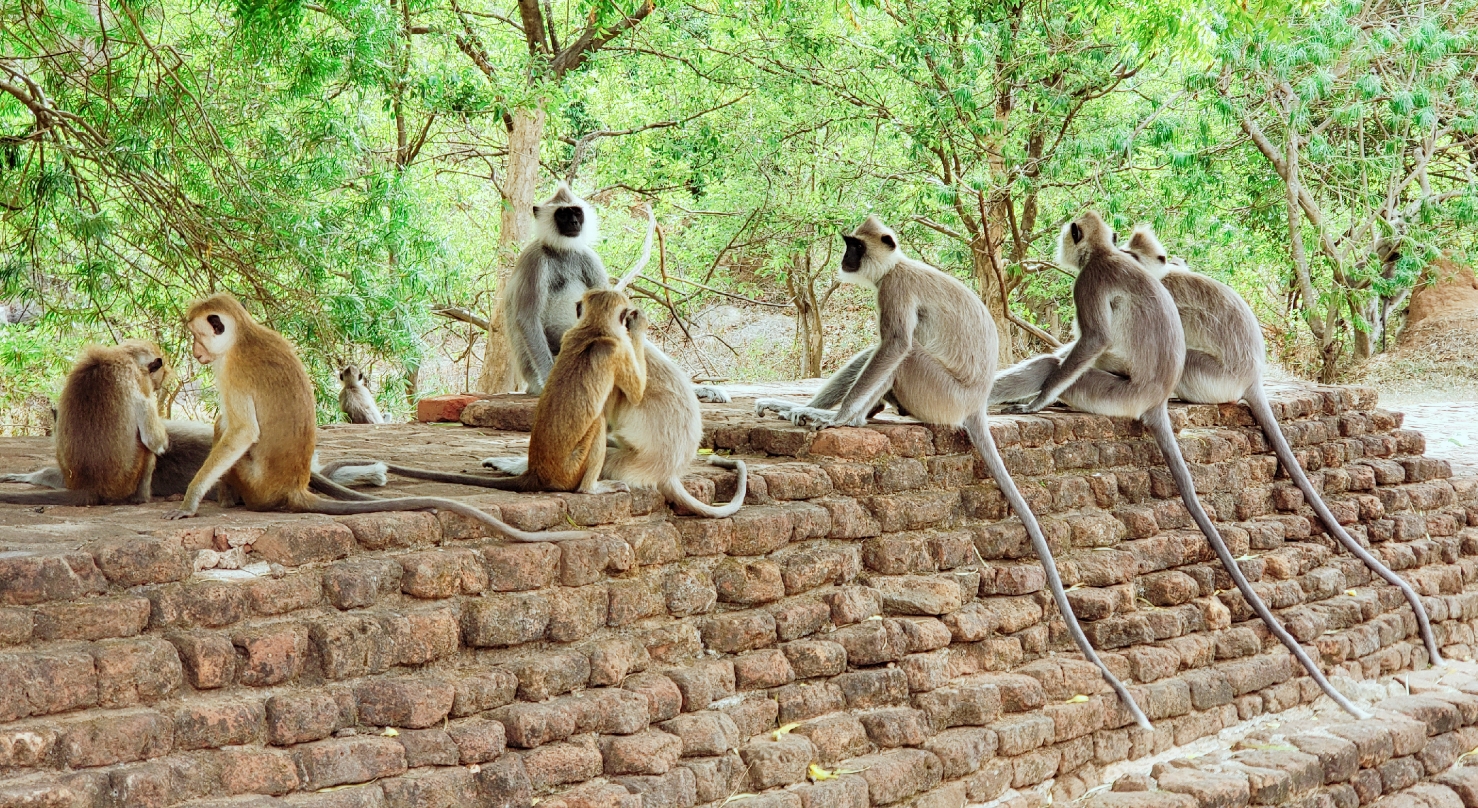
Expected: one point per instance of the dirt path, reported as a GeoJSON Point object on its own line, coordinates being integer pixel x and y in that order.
{"type": "Point", "coordinates": [1451, 429]}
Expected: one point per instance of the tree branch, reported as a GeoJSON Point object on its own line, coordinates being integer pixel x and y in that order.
{"type": "Point", "coordinates": [592, 39]}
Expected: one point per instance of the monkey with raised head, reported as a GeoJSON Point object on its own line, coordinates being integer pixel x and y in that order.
{"type": "Point", "coordinates": [189, 445]}
{"type": "Point", "coordinates": [551, 275]}
{"type": "Point", "coordinates": [1126, 361]}
{"type": "Point", "coordinates": [655, 439]}
{"type": "Point", "coordinates": [355, 399]}
{"type": "Point", "coordinates": [1224, 363]}
{"type": "Point", "coordinates": [265, 433]}
{"type": "Point", "coordinates": [598, 363]}
{"type": "Point", "coordinates": [937, 354]}
{"type": "Point", "coordinates": [108, 430]}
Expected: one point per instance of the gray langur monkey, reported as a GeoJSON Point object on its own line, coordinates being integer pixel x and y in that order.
{"type": "Point", "coordinates": [654, 440]}
{"type": "Point", "coordinates": [1126, 361]}
{"type": "Point", "coordinates": [1224, 361]}
{"type": "Point", "coordinates": [356, 400]}
{"type": "Point", "coordinates": [551, 275]}
{"type": "Point", "coordinates": [936, 353]}
{"type": "Point", "coordinates": [189, 445]}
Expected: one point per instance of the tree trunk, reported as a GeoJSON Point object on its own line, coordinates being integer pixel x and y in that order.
{"type": "Point", "coordinates": [520, 181]}
{"type": "Point", "coordinates": [802, 288]}
{"type": "Point", "coordinates": [990, 294]}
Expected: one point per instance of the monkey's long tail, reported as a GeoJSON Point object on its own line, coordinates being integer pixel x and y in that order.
{"type": "Point", "coordinates": [1262, 412]}
{"type": "Point", "coordinates": [66, 497]}
{"type": "Point", "coordinates": [320, 484]}
{"type": "Point", "coordinates": [1158, 420]}
{"type": "Point", "coordinates": [674, 491]}
{"type": "Point", "coordinates": [336, 508]}
{"type": "Point", "coordinates": [518, 483]}
{"type": "Point", "coordinates": [979, 432]}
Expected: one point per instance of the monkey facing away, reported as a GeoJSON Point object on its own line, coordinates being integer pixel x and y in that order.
{"type": "Point", "coordinates": [189, 445]}
{"type": "Point", "coordinates": [356, 401]}
{"type": "Point", "coordinates": [937, 354]}
{"type": "Point", "coordinates": [1224, 362]}
{"type": "Point", "coordinates": [265, 433]}
{"type": "Point", "coordinates": [551, 275]}
{"type": "Point", "coordinates": [655, 439]}
{"type": "Point", "coordinates": [599, 362]}
{"type": "Point", "coordinates": [108, 430]}
{"type": "Point", "coordinates": [1126, 361]}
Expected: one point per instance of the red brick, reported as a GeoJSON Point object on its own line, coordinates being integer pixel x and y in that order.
{"type": "Point", "coordinates": [136, 671]}
{"type": "Point", "coordinates": [385, 531]}
{"type": "Point", "coordinates": [297, 717]}
{"type": "Point", "coordinates": [748, 583]}
{"type": "Point", "coordinates": [560, 763]}
{"type": "Point", "coordinates": [429, 747]}
{"type": "Point", "coordinates": [760, 531]}
{"type": "Point", "coordinates": [531, 725]}
{"type": "Point", "coordinates": [438, 788]}
{"type": "Point", "coordinates": [836, 737]}
{"type": "Point", "coordinates": [703, 733]}
{"type": "Point", "coordinates": [576, 612]}
{"type": "Point", "coordinates": [505, 783]}
{"type": "Point", "coordinates": [650, 752]}
{"type": "Point", "coordinates": [411, 702]}
{"type": "Point", "coordinates": [271, 654]}
{"type": "Point", "coordinates": [636, 599]}
{"type": "Point", "coordinates": [294, 544]}
{"type": "Point", "coordinates": [550, 674]}
{"type": "Point", "coordinates": [47, 682]}
{"type": "Point", "coordinates": [92, 619]}
{"type": "Point", "coordinates": [612, 659]}
{"type": "Point", "coordinates": [664, 700]}
{"type": "Point", "coordinates": [478, 740]}
{"type": "Point", "coordinates": [606, 711]}
{"type": "Point", "coordinates": [448, 408]}
{"type": "Point", "coordinates": [851, 443]}
{"type": "Point", "coordinates": [777, 763]}
{"type": "Point", "coordinates": [434, 574]}
{"type": "Point", "coordinates": [499, 620]}
{"type": "Point", "coordinates": [137, 560]}
{"type": "Point", "coordinates": [673, 643]}
{"type": "Point", "coordinates": [799, 617]}
{"type": "Point", "coordinates": [273, 596]}
{"type": "Point", "coordinates": [739, 631]}
{"type": "Point", "coordinates": [422, 637]}
{"type": "Point", "coordinates": [353, 645]}
{"type": "Point", "coordinates": [896, 726]}
{"type": "Point", "coordinates": [209, 724]}
{"type": "Point", "coordinates": [256, 771]}
{"type": "Point", "coordinates": [809, 658]}
{"type": "Point", "coordinates": [484, 691]}
{"type": "Point", "coordinates": [521, 567]}
{"type": "Point", "coordinates": [348, 760]}
{"type": "Point", "coordinates": [114, 738]}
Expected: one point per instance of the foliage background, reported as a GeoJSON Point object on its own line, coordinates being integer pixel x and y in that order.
{"type": "Point", "coordinates": [349, 167]}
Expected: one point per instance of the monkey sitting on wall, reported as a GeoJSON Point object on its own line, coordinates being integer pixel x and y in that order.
{"type": "Point", "coordinates": [936, 353]}
{"type": "Point", "coordinates": [1126, 361]}
{"type": "Point", "coordinates": [189, 445]}
{"type": "Point", "coordinates": [108, 430]}
{"type": "Point", "coordinates": [654, 440]}
{"type": "Point", "coordinates": [599, 362]}
{"type": "Point", "coordinates": [355, 400]}
{"type": "Point", "coordinates": [1224, 362]}
{"type": "Point", "coordinates": [266, 431]}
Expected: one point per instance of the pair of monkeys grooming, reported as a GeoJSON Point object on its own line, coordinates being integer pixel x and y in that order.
{"type": "Point", "coordinates": [935, 360]}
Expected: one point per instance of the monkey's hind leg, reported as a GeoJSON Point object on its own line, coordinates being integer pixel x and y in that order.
{"type": "Point", "coordinates": [507, 465]}
{"type": "Point", "coordinates": [1023, 380]}
{"type": "Point", "coordinates": [1158, 420]}
{"type": "Point", "coordinates": [979, 433]}
{"type": "Point", "coordinates": [1257, 401]}
{"type": "Point", "coordinates": [822, 405]}
{"type": "Point", "coordinates": [141, 495]}
{"type": "Point", "coordinates": [711, 394]}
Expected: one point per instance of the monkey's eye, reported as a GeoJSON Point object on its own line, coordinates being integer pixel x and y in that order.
{"type": "Point", "coordinates": [156, 365]}
{"type": "Point", "coordinates": [215, 324]}
{"type": "Point", "coordinates": [1162, 259]}
{"type": "Point", "coordinates": [1076, 232]}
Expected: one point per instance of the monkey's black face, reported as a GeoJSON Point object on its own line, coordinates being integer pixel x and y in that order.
{"type": "Point", "coordinates": [852, 258]}
{"type": "Point", "coordinates": [569, 221]}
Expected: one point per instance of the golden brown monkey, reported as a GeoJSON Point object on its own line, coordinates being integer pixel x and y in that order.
{"type": "Point", "coordinates": [598, 364]}
{"type": "Point", "coordinates": [108, 429]}
{"type": "Point", "coordinates": [266, 431]}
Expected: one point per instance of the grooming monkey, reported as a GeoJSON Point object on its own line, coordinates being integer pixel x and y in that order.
{"type": "Point", "coordinates": [1224, 361]}
{"type": "Point", "coordinates": [265, 433]}
{"type": "Point", "coordinates": [551, 275]}
{"type": "Point", "coordinates": [600, 362]}
{"type": "Point", "coordinates": [655, 439]}
{"type": "Point", "coordinates": [937, 354]}
{"type": "Point", "coordinates": [357, 402]}
{"type": "Point", "coordinates": [108, 429]}
{"type": "Point", "coordinates": [1126, 361]}
{"type": "Point", "coordinates": [189, 445]}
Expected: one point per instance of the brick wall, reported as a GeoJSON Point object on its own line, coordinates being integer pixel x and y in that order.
{"type": "Point", "coordinates": [873, 619]}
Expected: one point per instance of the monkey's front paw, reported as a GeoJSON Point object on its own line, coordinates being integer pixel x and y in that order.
{"type": "Point", "coordinates": [711, 394]}
{"type": "Point", "coordinates": [14, 478]}
{"type": "Point", "coordinates": [180, 514]}
{"type": "Point", "coordinates": [810, 417]}
{"type": "Point", "coordinates": [611, 487]}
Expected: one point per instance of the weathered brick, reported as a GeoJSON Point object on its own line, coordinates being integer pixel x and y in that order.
{"type": "Point", "coordinates": [777, 763]}
{"type": "Point", "coordinates": [338, 761]}
{"type": "Point", "coordinates": [136, 671]}
{"type": "Point", "coordinates": [271, 654]}
{"type": "Point", "coordinates": [409, 702]}
{"type": "Point", "coordinates": [499, 620]}
{"type": "Point", "coordinates": [218, 722]}
{"type": "Point", "coordinates": [92, 619]}
{"type": "Point", "coordinates": [522, 567]}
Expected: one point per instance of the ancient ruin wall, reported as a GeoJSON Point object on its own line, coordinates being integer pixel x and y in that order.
{"type": "Point", "coordinates": [873, 620]}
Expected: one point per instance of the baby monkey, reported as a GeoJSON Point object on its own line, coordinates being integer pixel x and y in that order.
{"type": "Point", "coordinates": [1224, 362]}
{"type": "Point", "coordinates": [108, 430]}
{"type": "Point", "coordinates": [266, 430]}
{"type": "Point", "coordinates": [356, 401]}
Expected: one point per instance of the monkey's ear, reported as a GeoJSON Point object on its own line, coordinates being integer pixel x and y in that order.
{"type": "Point", "coordinates": [579, 309]}
{"type": "Point", "coordinates": [1115, 236]}
{"type": "Point", "coordinates": [537, 208]}
{"type": "Point", "coordinates": [215, 324]}
{"type": "Point", "coordinates": [1162, 258]}
{"type": "Point", "coordinates": [889, 242]}
{"type": "Point", "coordinates": [1076, 232]}
{"type": "Point", "coordinates": [156, 365]}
